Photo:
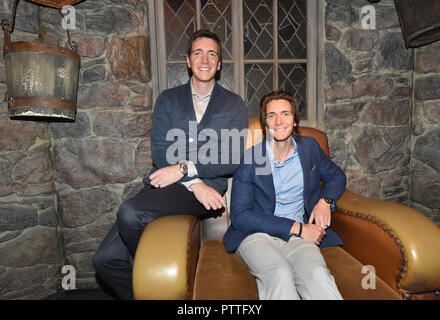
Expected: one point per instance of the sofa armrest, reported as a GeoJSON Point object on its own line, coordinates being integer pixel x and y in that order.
{"type": "Point", "coordinates": [166, 258]}
{"type": "Point", "coordinates": [400, 242]}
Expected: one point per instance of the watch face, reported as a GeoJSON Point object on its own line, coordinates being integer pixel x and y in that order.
{"type": "Point", "coordinates": [184, 168]}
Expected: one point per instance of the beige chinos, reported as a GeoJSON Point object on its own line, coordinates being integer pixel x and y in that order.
{"type": "Point", "coordinates": [287, 270]}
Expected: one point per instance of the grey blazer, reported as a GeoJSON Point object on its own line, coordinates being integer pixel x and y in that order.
{"type": "Point", "coordinates": [211, 144]}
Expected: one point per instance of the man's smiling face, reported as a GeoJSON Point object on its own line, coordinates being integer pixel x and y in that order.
{"type": "Point", "coordinates": [204, 61]}
{"type": "Point", "coordinates": [279, 119]}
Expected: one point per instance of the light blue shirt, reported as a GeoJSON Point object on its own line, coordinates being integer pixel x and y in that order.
{"type": "Point", "coordinates": [289, 184]}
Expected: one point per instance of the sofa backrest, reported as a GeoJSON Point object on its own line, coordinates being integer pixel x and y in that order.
{"type": "Point", "coordinates": [214, 228]}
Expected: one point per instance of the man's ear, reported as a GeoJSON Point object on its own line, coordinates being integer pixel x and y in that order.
{"type": "Point", "coordinates": [188, 63]}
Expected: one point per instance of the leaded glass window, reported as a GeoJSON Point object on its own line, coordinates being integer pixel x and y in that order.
{"type": "Point", "coordinates": [267, 45]}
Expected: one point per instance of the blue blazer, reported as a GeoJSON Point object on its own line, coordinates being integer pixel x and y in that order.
{"type": "Point", "coordinates": [173, 133]}
{"type": "Point", "coordinates": [253, 193]}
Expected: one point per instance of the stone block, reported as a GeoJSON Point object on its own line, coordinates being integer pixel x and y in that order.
{"type": "Point", "coordinates": [109, 94]}
{"type": "Point", "coordinates": [92, 162]}
{"type": "Point", "coordinates": [362, 183]}
{"type": "Point", "coordinates": [428, 88]}
{"type": "Point", "coordinates": [26, 18]}
{"type": "Point", "coordinates": [339, 153]}
{"type": "Point", "coordinates": [15, 217]}
{"type": "Point", "coordinates": [381, 149]}
{"type": "Point", "coordinates": [340, 116]}
{"type": "Point", "coordinates": [17, 135]}
{"type": "Point", "coordinates": [111, 19]}
{"type": "Point", "coordinates": [29, 190]}
{"type": "Point", "coordinates": [361, 40]}
{"type": "Point", "coordinates": [393, 53]}
{"type": "Point", "coordinates": [427, 149]}
{"type": "Point", "coordinates": [36, 245]}
{"type": "Point", "coordinates": [27, 283]}
{"type": "Point", "coordinates": [425, 185]}
{"type": "Point", "coordinates": [386, 113]}
{"type": "Point", "coordinates": [143, 160]}
{"type": "Point", "coordinates": [386, 17]}
{"type": "Point", "coordinates": [82, 263]}
{"type": "Point", "coordinates": [3, 88]}
{"type": "Point", "coordinates": [142, 101]}
{"type": "Point", "coordinates": [122, 125]}
{"type": "Point", "coordinates": [96, 229]}
{"type": "Point", "coordinates": [89, 46]}
{"type": "Point", "coordinates": [367, 85]}
{"type": "Point", "coordinates": [340, 13]}
{"type": "Point", "coordinates": [129, 57]}
{"type": "Point", "coordinates": [93, 74]}
{"type": "Point", "coordinates": [7, 185]}
{"type": "Point", "coordinates": [35, 169]}
{"type": "Point", "coordinates": [131, 190]}
{"type": "Point", "coordinates": [48, 217]}
{"type": "Point", "coordinates": [80, 128]}
{"type": "Point", "coordinates": [85, 206]}
{"type": "Point", "coordinates": [331, 32]}
{"type": "Point", "coordinates": [400, 92]}
{"type": "Point", "coordinates": [337, 65]}
{"type": "Point", "coordinates": [427, 58]}
{"type": "Point", "coordinates": [432, 111]}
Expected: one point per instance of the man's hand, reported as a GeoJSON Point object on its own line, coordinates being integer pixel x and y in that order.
{"type": "Point", "coordinates": [313, 233]}
{"type": "Point", "coordinates": [310, 232]}
{"type": "Point", "coordinates": [207, 196]}
{"type": "Point", "coordinates": [166, 176]}
{"type": "Point", "coordinates": [322, 214]}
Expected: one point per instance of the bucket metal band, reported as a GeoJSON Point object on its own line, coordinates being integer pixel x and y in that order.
{"type": "Point", "coordinates": [41, 47]}
{"type": "Point", "coordinates": [41, 101]}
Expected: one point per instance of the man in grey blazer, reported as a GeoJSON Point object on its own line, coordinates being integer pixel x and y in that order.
{"type": "Point", "coordinates": [194, 149]}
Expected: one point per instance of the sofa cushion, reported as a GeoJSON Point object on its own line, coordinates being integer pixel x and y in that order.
{"type": "Point", "coordinates": [348, 276]}
{"type": "Point", "coordinates": [222, 276]}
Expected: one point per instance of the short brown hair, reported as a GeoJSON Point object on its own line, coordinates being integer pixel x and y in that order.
{"type": "Point", "coordinates": [280, 95]}
{"type": "Point", "coordinates": [204, 34]}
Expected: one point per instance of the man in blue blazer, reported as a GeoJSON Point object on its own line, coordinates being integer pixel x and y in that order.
{"type": "Point", "coordinates": [279, 212]}
{"type": "Point", "coordinates": [194, 149]}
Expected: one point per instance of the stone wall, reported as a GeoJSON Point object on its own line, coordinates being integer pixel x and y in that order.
{"type": "Point", "coordinates": [383, 128]}
{"type": "Point", "coordinates": [62, 183]}
{"type": "Point", "coordinates": [425, 160]}
{"type": "Point", "coordinates": [29, 237]}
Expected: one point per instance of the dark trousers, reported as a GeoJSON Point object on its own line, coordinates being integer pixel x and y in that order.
{"type": "Point", "coordinates": [114, 258]}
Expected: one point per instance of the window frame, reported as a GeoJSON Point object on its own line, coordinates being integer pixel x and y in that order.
{"type": "Point", "coordinates": [315, 32]}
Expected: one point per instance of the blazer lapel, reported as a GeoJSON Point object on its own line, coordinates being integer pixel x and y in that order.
{"type": "Point", "coordinates": [304, 159]}
{"type": "Point", "coordinates": [188, 102]}
{"type": "Point", "coordinates": [266, 179]}
{"type": "Point", "coordinates": [211, 108]}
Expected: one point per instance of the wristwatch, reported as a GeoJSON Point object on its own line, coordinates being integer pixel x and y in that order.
{"type": "Point", "coordinates": [184, 168]}
{"type": "Point", "coordinates": [332, 203]}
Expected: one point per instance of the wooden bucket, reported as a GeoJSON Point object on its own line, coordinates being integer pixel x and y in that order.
{"type": "Point", "coordinates": [42, 79]}
{"type": "Point", "coordinates": [419, 21]}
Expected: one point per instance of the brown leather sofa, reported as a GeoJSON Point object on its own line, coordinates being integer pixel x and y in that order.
{"type": "Point", "coordinates": [179, 257]}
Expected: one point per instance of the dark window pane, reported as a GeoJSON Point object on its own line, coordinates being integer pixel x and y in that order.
{"type": "Point", "coordinates": [292, 29]}
{"type": "Point", "coordinates": [258, 29]}
{"type": "Point", "coordinates": [293, 78]}
{"type": "Point", "coordinates": [258, 82]}
{"type": "Point", "coordinates": [177, 74]}
{"type": "Point", "coordinates": [226, 78]}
